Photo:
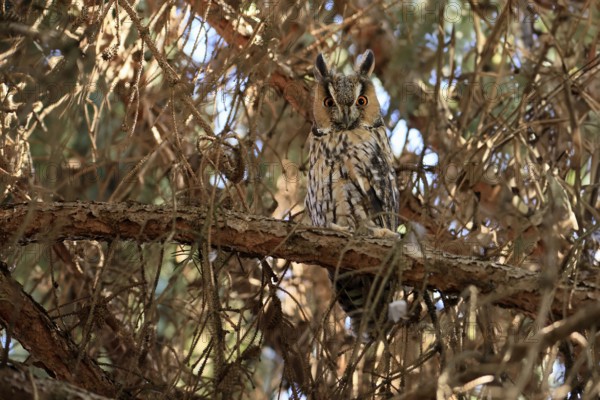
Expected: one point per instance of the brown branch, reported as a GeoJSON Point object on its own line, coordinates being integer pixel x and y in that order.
{"type": "Point", "coordinates": [493, 366]}
{"type": "Point", "coordinates": [221, 20]}
{"type": "Point", "coordinates": [172, 76]}
{"type": "Point", "coordinates": [261, 236]}
{"type": "Point", "coordinates": [27, 321]}
{"type": "Point", "coordinates": [23, 386]}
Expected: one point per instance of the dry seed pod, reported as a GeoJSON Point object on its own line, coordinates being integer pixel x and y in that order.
{"type": "Point", "coordinates": [225, 157]}
{"type": "Point", "coordinates": [109, 53]}
{"type": "Point", "coordinates": [234, 165]}
{"type": "Point", "coordinates": [251, 353]}
{"type": "Point", "coordinates": [273, 315]}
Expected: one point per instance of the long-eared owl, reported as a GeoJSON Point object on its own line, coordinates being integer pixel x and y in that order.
{"type": "Point", "coordinates": [351, 179]}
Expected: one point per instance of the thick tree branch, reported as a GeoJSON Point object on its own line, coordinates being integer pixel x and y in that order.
{"type": "Point", "coordinates": [60, 356]}
{"type": "Point", "coordinates": [20, 385]}
{"type": "Point", "coordinates": [260, 236]}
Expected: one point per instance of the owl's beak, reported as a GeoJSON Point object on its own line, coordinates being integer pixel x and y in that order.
{"type": "Point", "coordinates": [346, 117]}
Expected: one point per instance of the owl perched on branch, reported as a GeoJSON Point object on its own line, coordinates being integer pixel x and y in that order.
{"type": "Point", "coordinates": [351, 181]}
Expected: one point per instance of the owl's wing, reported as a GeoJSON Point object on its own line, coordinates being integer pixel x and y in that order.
{"type": "Point", "coordinates": [383, 195]}
{"type": "Point", "coordinates": [377, 181]}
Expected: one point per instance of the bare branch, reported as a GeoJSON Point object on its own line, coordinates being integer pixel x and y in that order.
{"type": "Point", "coordinates": [259, 236]}
{"type": "Point", "coordinates": [295, 93]}
{"type": "Point", "coordinates": [19, 385]}
{"type": "Point", "coordinates": [29, 323]}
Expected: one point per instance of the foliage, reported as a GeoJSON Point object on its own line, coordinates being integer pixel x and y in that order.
{"type": "Point", "coordinates": [494, 117]}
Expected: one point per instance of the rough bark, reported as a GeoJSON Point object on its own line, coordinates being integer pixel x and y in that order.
{"type": "Point", "coordinates": [24, 386]}
{"type": "Point", "coordinates": [258, 236]}
{"type": "Point", "coordinates": [27, 321]}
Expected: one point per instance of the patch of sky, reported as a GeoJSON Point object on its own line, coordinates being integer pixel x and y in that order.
{"type": "Point", "coordinates": [399, 136]}
{"type": "Point", "coordinates": [431, 41]}
{"type": "Point", "coordinates": [394, 117]}
{"type": "Point", "coordinates": [439, 303]}
{"type": "Point", "coordinates": [517, 62]}
{"type": "Point", "coordinates": [430, 159]}
{"type": "Point", "coordinates": [292, 393]}
{"type": "Point", "coordinates": [198, 36]}
{"type": "Point", "coordinates": [433, 77]}
{"type": "Point", "coordinates": [223, 99]}
{"type": "Point", "coordinates": [217, 180]}
{"type": "Point", "coordinates": [200, 45]}
{"type": "Point", "coordinates": [382, 95]}
{"type": "Point", "coordinates": [453, 226]}
{"type": "Point", "coordinates": [16, 352]}
{"type": "Point", "coordinates": [414, 141]}
{"type": "Point", "coordinates": [557, 376]}
{"type": "Point", "coordinates": [222, 103]}
{"type": "Point", "coordinates": [161, 285]}
{"type": "Point", "coordinates": [287, 275]}
{"type": "Point", "coordinates": [348, 323]}
{"type": "Point", "coordinates": [269, 353]}
{"type": "Point", "coordinates": [463, 232]}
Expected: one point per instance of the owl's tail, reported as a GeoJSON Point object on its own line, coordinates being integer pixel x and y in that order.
{"type": "Point", "coordinates": [365, 298]}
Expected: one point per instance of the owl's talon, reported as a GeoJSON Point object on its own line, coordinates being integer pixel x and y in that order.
{"type": "Point", "coordinates": [339, 227]}
{"type": "Point", "coordinates": [383, 233]}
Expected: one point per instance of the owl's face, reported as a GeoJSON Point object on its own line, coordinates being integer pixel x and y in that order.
{"type": "Point", "coordinates": [345, 102]}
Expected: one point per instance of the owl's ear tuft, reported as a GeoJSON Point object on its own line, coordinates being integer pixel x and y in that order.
{"type": "Point", "coordinates": [366, 63]}
{"type": "Point", "coordinates": [321, 70]}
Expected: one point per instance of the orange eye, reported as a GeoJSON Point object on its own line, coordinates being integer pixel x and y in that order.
{"type": "Point", "coordinates": [328, 102]}
{"type": "Point", "coordinates": [362, 101]}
